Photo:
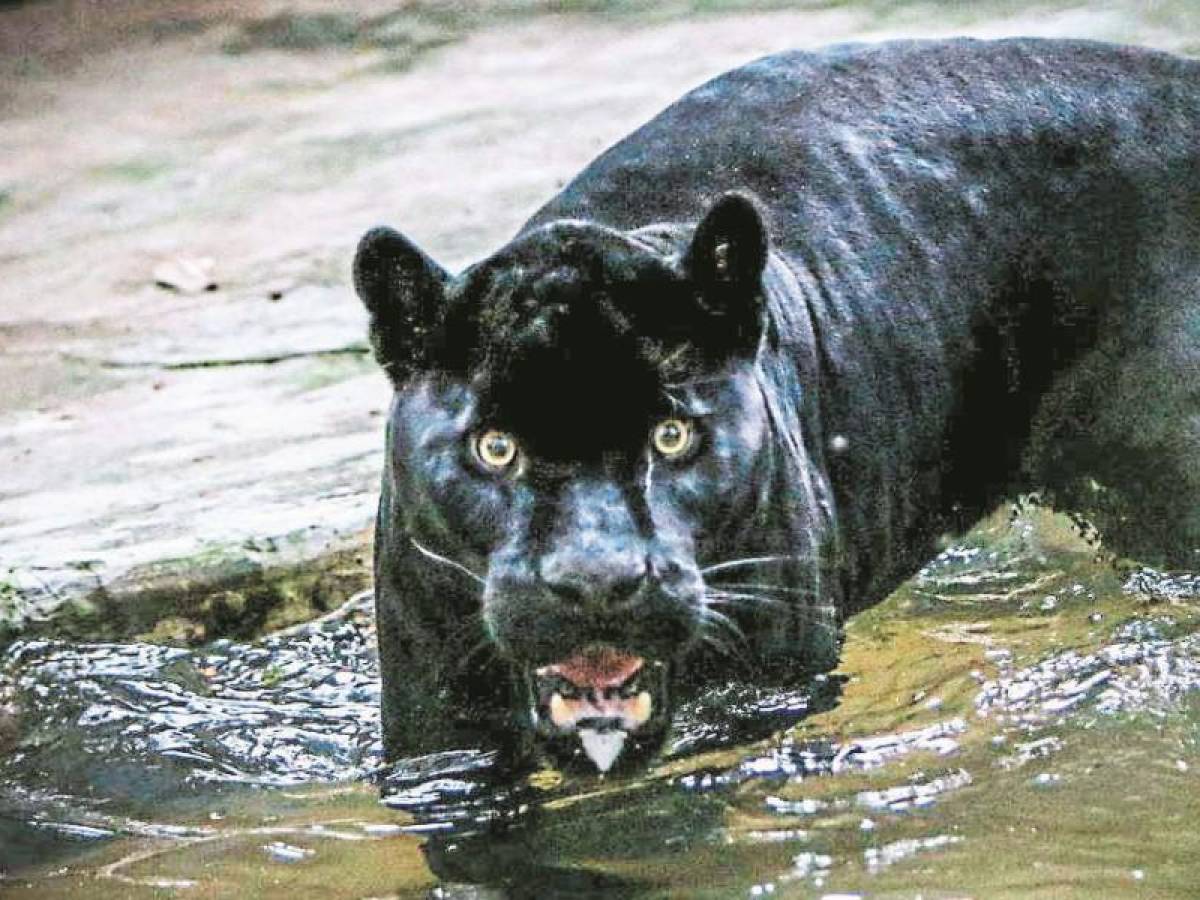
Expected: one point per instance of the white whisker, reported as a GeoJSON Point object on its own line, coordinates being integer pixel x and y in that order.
{"type": "Point", "coordinates": [716, 620]}
{"type": "Point", "coordinates": [722, 634]}
{"type": "Point", "coordinates": [437, 557]}
{"type": "Point", "coordinates": [731, 595]}
{"type": "Point", "coordinates": [750, 561]}
{"type": "Point", "coordinates": [762, 586]}
{"type": "Point", "coordinates": [732, 598]}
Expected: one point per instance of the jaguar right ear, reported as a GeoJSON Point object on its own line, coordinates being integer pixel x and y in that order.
{"type": "Point", "coordinates": [404, 293]}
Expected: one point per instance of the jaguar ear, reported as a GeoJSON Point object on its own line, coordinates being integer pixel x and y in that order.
{"type": "Point", "coordinates": [404, 293]}
{"type": "Point", "coordinates": [729, 248]}
{"type": "Point", "coordinates": [725, 261]}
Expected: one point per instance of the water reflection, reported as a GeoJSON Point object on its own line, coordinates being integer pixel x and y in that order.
{"type": "Point", "coordinates": [141, 721]}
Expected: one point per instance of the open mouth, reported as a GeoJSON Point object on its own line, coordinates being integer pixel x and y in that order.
{"type": "Point", "coordinates": [600, 695]}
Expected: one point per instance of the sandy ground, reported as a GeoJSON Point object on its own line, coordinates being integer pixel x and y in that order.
{"type": "Point", "coordinates": [145, 430]}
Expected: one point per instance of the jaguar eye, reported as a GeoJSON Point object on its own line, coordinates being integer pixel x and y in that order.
{"type": "Point", "coordinates": [672, 437]}
{"type": "Point", "coordinates": [496, 449]}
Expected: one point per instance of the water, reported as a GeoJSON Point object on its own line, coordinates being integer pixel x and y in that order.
{"type": "Point", "coordinates": [1018, 720]}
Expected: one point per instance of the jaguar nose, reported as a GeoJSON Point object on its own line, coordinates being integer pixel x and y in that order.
{"type": "Point", "coordinates": [620, 592]}
{"type": "Point", "coordinates": [580, 589]}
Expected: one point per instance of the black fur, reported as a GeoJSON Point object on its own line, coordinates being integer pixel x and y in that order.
{"type": "Point", "coordinates": [891, 284]}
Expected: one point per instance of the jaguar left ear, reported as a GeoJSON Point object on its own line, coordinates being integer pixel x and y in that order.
{"type": "Point", "coordinates": [725, 261]}
{"type": "Point", "coordinates": [729, 248]}
{"type": "Point", "coordinates": [404, 292]}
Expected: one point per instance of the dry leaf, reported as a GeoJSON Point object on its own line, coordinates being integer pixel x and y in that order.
{"type": "Point", "coordinates": [186, 274]}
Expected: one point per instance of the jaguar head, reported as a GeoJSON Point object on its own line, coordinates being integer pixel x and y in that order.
{"type": "Point", "coordinates": [578, 427]}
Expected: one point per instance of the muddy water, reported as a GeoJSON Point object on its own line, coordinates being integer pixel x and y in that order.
{"type": "Point", "coordinates": [1019, 720]}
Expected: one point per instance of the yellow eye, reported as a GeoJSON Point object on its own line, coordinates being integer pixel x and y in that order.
{"type": "Point", "coordinates": [672, 437]}
{"type": "Point", "coordinates": [496, 449]}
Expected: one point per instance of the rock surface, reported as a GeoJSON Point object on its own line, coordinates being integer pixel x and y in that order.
{"type": "Point", "coordinates": [160, 443]}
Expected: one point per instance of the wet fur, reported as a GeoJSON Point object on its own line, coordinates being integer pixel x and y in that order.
{"type": "Point", "coordinates": [982, 279]}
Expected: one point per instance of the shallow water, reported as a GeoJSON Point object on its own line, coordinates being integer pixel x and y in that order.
{"type": "Point", "coordinates": [1016, 721]}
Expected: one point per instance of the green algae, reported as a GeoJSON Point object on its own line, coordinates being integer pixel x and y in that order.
{"type": "Point", "coordinates": [135, 170]}
{"type": "Point", "coordinates": [234, 592]}
{"type": "Point", "coordinates": [227, 858]}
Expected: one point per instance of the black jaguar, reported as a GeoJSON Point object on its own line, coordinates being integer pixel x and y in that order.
{"type": "Point", "coordinates": [732, 384]}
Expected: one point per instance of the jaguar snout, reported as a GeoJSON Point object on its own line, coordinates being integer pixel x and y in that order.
{"type": "Point", "coordinates": [596, 585]}
{"type": "Point", "coordinates": [602, 598]}
{"type": "Point", "coordinates": [534, 621]}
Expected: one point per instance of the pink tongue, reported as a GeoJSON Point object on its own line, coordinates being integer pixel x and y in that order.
{"type": "Point", "coordinates": [597, 667]}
